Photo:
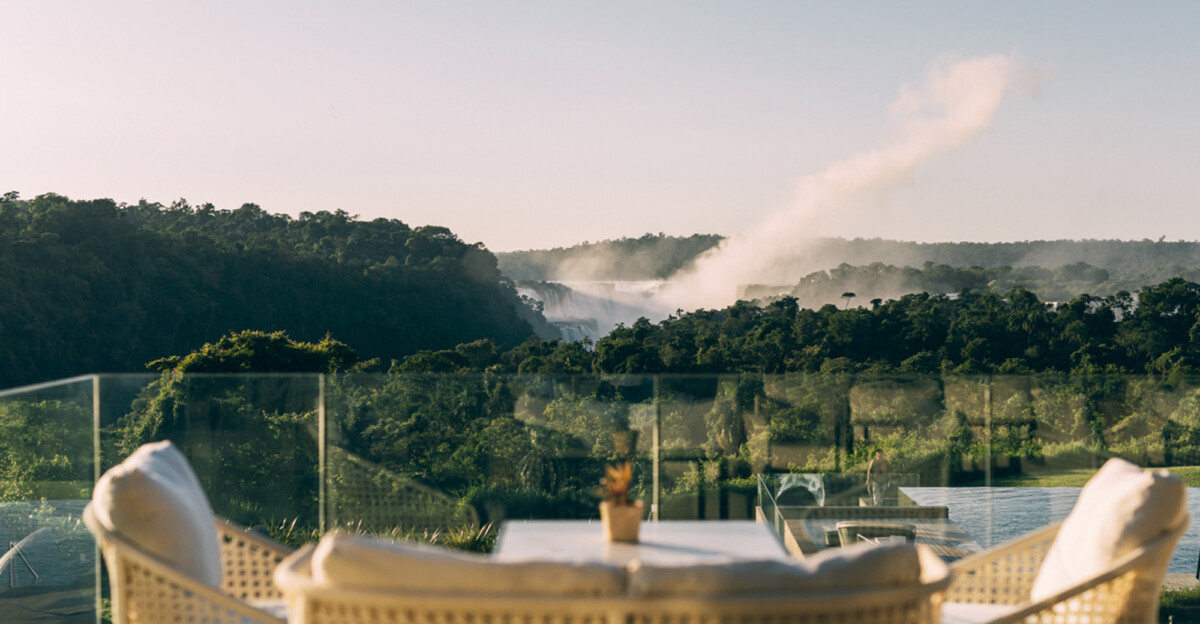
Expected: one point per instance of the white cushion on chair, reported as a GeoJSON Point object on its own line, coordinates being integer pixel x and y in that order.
{"type": "Point", "coordinates": [369, 562]}
{"type": "Point", "coordinates": [857, 566]}
{"type": "Point", "coordinates": [1120, 509]}
{"type": "Point", "coordinates": [969, 613]}
{"type": "Point", "coordinates": [154, 500]}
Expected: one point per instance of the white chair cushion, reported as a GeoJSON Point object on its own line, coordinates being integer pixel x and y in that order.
{"type": "Point", "coordinates": [857, 566]}
{"type": "Point", "coordinates": [368, 562]}
{"type": "Point", "coordinates": [1120, 509]}
{"type": "Point", "coordinates": [154, 500]}
{"type": "Point", "coordinates": [276, 608]}
{"type": "Point", "coordinates": [970, 613]}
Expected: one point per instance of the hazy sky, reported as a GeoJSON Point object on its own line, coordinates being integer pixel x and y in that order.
{"type": "Point", "coordinates": [529, 125]}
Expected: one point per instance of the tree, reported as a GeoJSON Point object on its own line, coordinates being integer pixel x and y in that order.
{"type": "Point", "coordinates": [43, 446]}
{"type": "Point", "coordinates": [95, 285]}
{"type": "Point", "coordinates": [252, 351]}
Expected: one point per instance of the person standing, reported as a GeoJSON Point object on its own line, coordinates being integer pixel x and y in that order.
{"type": "Point", "coordinates": [878, 478]}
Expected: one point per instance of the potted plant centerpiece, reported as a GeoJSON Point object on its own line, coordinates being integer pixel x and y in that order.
{"type": "Point", "coordinates": [621, 515]}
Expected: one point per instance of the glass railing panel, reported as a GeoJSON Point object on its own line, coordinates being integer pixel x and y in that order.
{"type": "Point", "coordinates": [709, 444]}
{"type": "Point", "coordinates": [403, 452]}
{"type": "Point", "coordinates": [687, 479]}
{"type": "Point", "coordinates": [48, 564]}
{"type": "Point", "coordinates": [252, 439]}
{"type": "Point", "coordinates": [803, 423]}
{"type": "Point", "coordinates": [119, 396]}
{"type": "Point", "coordinates": [416, 456]}
{"type": "Point", "coordinates": [1166, 410]}
{"type": "Point", "coordinates": [497, 447]}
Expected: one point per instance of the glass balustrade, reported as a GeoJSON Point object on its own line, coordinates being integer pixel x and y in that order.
{"type": "Point", "coordinates": [448, 458]}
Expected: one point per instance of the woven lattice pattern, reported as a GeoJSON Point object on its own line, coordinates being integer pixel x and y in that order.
{"type": "Point", "coordinates": [1112, 601]}
{"type": "Point", "coordinates": [613, 611]}
{"type": "Point", "coordinates": [445, 612]}
{"type": "Point", "coordinates": [367, 496]}
{"type": "Point", "coordinates": [147, 591]}
{"type": "Point", "coordinates": [151, 596]}
{"type": "Point", "coordinates": [313, 603]}
{"type": "Point", "coordinates": [248, 563]}
{"type": "Point", "coordinates": [1126, 593]}
{"type": "Point", "coordinates": [914, 610]}
{"type": "Point", "coordinates": [1002, 575]}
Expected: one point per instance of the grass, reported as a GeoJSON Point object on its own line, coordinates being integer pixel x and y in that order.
{"type": "Point", "coordinates": [1180, 607]}
{"type": "Point", "coordinates": [1078, 476]}
{"type": "Point", "coordinates": [58, 490]}
{"type": "Point", "coordinates": [482, 539]}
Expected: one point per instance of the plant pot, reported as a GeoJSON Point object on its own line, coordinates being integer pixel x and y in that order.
{"type": "Point", "coordinates": [624, 443]}
{"type": "Point", "coordinates": [621, 522]}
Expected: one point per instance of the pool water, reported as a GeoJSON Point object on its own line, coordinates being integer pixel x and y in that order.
{"type": "Point", "coordinates": [994, 515]}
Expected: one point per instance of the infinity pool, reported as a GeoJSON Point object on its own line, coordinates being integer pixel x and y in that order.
{"type": "Point", "coordinates": [994, 515]}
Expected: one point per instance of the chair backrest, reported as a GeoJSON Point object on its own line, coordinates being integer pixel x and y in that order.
{"type": "Point", "coordinates": [153, 499]}
{"type": "Point", "coordinates": [144, 588]}
{"type": "Point", "coordinates": [1122, 508]}
{"type": "Point", "coordinates": [1149, 570]}
{"type": "Point", "coordinates": [156, 530]}
{"type": "Point", "coordinates": [1127, 591]}
{"type": "Point", "coordinates": [311, 602]}
{"type": "Point", "coordinates": [136, 577]}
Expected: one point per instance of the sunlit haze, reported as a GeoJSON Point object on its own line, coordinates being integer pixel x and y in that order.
{"type": "Point", "coordinates": [533, 125]}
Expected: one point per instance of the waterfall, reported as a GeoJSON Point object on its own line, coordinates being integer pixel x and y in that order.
{"type": "Point", "coordinates": [592, 309]}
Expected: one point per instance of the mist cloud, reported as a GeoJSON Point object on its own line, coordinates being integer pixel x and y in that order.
{"type": "Point", "coordinates": [951, 108]}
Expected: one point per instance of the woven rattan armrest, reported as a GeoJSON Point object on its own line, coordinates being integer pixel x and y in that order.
{"type": "Point", "coordinates": [145, 589]}
{"type": "Point", "coordinates": [1126, 592]}
{"type": "Point", "coordinates": [248, 562]}
{"type": "Point", "coordinates": [311, 602]}
{"type": "Point", "coordinates": [1002, 575]}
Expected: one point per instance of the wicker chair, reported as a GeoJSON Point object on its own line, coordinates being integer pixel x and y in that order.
{"type": "Point", "coordinates": [312, 603]}
{"type": "Point", "coordinates": [145, 589]}
{"type": "Point", "coordinates": [1001, 578]}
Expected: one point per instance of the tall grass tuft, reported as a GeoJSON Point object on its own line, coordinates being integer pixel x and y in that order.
{"type": "Point", "coordinates": [293, 534]}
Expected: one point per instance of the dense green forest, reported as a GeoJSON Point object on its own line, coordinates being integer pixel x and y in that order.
{"type": "Point", "coordinates": [1132, 263]}
{"type": "Point", "coordinates": [96, 286]}
{"type": "Point", "coordinates": [644, 258]}
{"type": "Point", "coordinates": [885, 281]}
{"type": "Point", "coordinates": [950, 386]}
{"type": "Point", "coordinates": [1145, 259]}
{"type": "Point", "coordinates": [526, 432]}
{"type": "Point", "coordinates": [1156, 330]}
{"type": "Point", "coordinates": [99, 286]}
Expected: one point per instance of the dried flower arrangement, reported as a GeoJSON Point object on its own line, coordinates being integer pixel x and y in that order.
{"type": "Point", "coordinates": [616, 482]}
{"type": "Point", "coordinates": [621, 514]}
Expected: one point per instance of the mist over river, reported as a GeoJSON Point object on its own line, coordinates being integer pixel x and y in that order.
{"type": "Point", "coordinates": [591, 309]}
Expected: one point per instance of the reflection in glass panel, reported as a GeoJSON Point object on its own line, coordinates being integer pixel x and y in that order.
{"type": "Point", "coordinates": [448, 458]}
{"type": "Point", "coordinates": [47, 557]}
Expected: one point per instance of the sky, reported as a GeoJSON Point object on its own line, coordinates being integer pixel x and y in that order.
{"type": "Point", "coordinates": [527, 125]}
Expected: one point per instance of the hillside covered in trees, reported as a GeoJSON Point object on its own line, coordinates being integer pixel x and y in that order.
{"type": "Point", "coordinates": [873, 281]}
{"type": "Point", "coordinates": [647, 257]}
{"type": "Point", "coordinates": [96, 286]}
{"type": "Point", "coordinates": [940, 382]}
{"type": "Point", "coordinates": [1155, 331]}
{"type": "Point", "coordinates": [658, 256]}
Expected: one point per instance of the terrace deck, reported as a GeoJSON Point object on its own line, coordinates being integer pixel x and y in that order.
{"type": "Point", "coordinates": [807, 527]}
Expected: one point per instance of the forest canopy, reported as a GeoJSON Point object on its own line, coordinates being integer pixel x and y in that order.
{"type": "Point", "coordinates": [96, 286]}
{"type": "Point", "coordinates": [1129, 264]}
{"type": "Point", "coordinates": [1156, 331]}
